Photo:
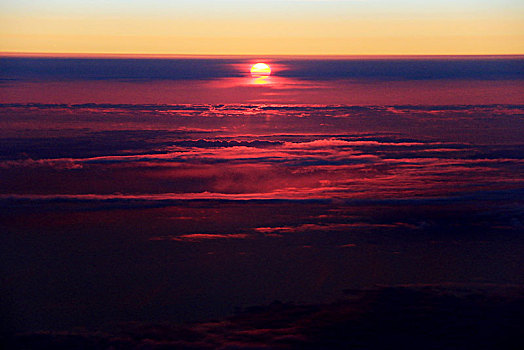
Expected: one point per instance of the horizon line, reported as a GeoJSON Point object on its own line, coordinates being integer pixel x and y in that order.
{"type": "Point", "coordinates": [197, 56]}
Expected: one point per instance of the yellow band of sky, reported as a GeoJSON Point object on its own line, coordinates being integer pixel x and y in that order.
{"type": "Point", "coordinates": [296, 35]}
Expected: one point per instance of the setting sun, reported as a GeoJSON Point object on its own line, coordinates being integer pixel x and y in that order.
{"type": "Point", "coordinates": [260, 70]}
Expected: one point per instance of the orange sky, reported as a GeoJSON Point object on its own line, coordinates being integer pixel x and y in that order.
{"type": "Point", "coordinates": [292, 27]}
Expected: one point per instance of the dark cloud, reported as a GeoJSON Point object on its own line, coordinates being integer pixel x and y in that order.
{"type": "Point", "coordinates": [115, 69]}
{"type": "Point", "coordinates": [197, 237]}
{"type": "Point", "coordinates": [310, 69]}
{"type": "Point", "coordinates": [410, 317]}
{"type": "Point", "coordinates": [405, 69]}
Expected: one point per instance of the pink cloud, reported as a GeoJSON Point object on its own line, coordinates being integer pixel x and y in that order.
{"type": "Point", "coordinates": [327, 227]}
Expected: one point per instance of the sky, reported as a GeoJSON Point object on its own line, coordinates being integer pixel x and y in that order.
{"type": "Point", "coordinates": [284, 27]}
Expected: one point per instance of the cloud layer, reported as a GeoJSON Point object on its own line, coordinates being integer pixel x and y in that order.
{"type": "Point", "coordinates": [180, 213]}
{"type": "Point", "coordinates": [409, 317]}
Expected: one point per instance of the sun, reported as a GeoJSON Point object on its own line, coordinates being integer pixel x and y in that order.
{"type": "Point", "coordinates": [260, 70]}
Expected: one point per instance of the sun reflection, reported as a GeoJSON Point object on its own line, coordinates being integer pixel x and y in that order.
{"type": "Point", "coordinates": [261, 80]}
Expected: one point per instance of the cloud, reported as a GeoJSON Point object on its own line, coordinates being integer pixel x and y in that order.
{"type": "Point", "coordinates": [60, 164]}
{"type": "Point", "coordinates": [349, 245]}
{"type": "Point", "coordinates": [197, 237]}
{"type": "Point", "coordinates": [124, 69]}
{"type": "Point", "coordinates": [407, 317]}
{"type": "Point", "coordinates": [156, 155]}
{"type": "Point", "coordinates": [310, 227]}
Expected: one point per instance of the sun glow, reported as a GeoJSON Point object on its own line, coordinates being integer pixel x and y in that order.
{"type": "Point", "coordinates": [260, 70]}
